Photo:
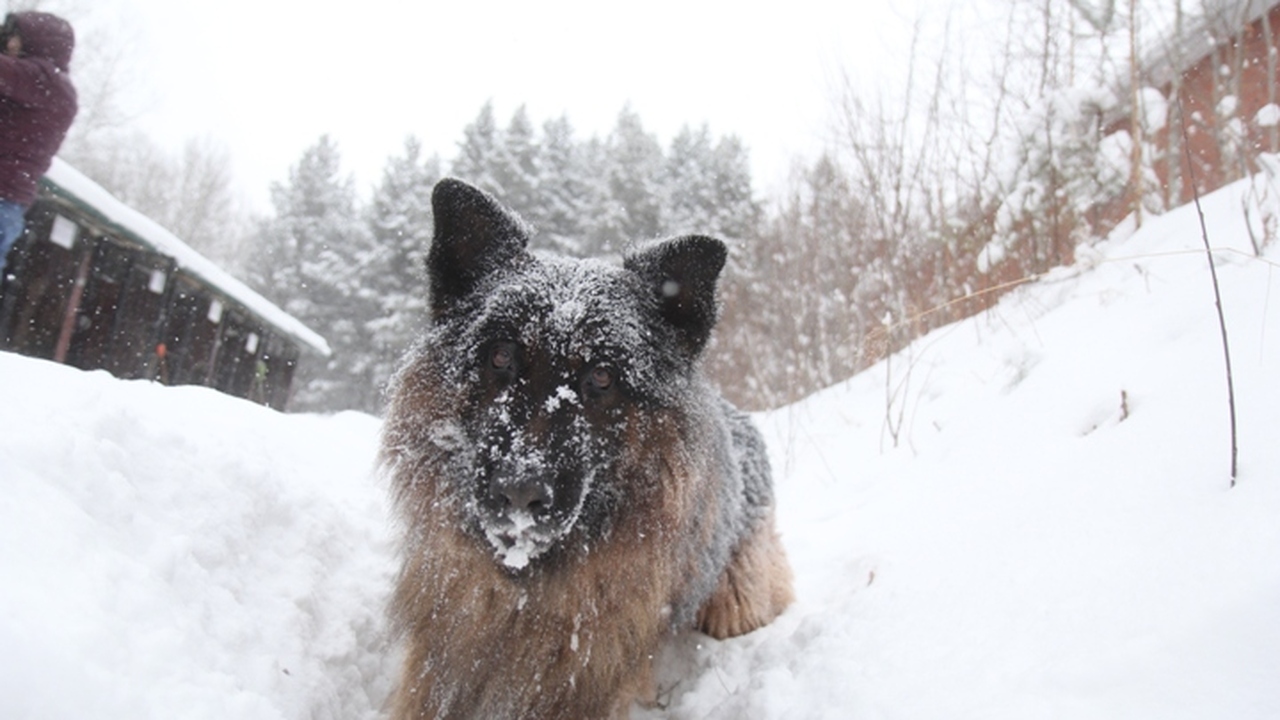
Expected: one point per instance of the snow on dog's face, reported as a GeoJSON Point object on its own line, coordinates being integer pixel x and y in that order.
{"type": "Point", "coordinates": [556, 357]}
{"type": "Point", "coordinates": [548, 381]}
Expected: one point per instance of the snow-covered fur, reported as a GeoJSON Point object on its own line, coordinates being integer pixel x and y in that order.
{"type": "Point", "coordinates": [572, 490]}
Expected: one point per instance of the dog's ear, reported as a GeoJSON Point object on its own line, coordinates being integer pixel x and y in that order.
{"type": "Point", "coordinates": [681, 273]}
{"type": "Point", "coordinates": [474, 237]}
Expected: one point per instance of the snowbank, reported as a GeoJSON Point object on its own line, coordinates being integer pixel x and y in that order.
{"type": "Point", "coordinates": [177, 553]}
{"type": "Point", "coordinates": [1033, 520]}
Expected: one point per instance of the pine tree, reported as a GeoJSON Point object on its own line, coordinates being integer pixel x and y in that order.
{"type": "Point", "coordinates": [801, 296]}
{"type": "Point", "coordinates": [309, 259]}
{"type": "Point", "coordinates": [736, 211]}
{"type": "Point", "coordinates": [477, 152]}
{"type": "Point", "coordinates": [708, 187]}
{"type": "Point", "coordinates": [513, 165]}
{"type": "Point", "coordinates": [401, 225]}
{"type": "Point", "coordinates": [634, 173]}
{"type": "Point", "coordinates": [604, 216]}
{"type": "Point", "coordinates": [566, 193]}
{"type": "Point", "coordinates": [688, 182]}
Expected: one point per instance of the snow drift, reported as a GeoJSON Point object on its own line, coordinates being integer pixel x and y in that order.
{"type": "Point", "coordinates": [1026, 514]}
{"type": "Point", "coordinates": [178, 553]}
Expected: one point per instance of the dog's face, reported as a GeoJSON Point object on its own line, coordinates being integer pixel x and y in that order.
{"type": "Point", "coordinates": [559, 360]}
{"type": "Point", "coordinates": [552, 386]}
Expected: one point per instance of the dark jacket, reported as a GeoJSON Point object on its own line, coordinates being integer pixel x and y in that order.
{"type": "Point", "coordinates": [37, 103]}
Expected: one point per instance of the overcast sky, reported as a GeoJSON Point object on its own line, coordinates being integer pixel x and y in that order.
{"type": "Point", "coordinates": [268, 77]}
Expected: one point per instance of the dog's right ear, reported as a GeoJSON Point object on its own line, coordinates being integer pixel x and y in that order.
{"type": "Point", "coordinates": [474, 237]}
{"type": "Point", "coordinates": [681, 274]}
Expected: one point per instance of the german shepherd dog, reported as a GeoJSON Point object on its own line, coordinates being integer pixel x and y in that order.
{"type": "Point", "coordinates": [572, 491]}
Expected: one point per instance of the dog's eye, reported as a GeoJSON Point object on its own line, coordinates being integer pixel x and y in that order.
{"type": "Point", "coordinates": [600, 378]}
{"type": "Point", "coordinates": [502, 356]}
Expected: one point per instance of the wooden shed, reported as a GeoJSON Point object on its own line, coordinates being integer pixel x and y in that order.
{"type": "Point", "coordinates": [94, 284]}
{"type": "Point", "coordinates": [1219, 77]}
{"type": "Point", "coordinates": [1226, 74]}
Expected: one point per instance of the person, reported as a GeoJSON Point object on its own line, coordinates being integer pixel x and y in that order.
{"type": "Point", "coordinates": [37, 106]}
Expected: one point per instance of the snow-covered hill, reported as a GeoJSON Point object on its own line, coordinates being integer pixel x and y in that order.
{"type": "Point", "coordinates": [1054, 535]}
{"type": "Point", "coordinates": [1027, 514]}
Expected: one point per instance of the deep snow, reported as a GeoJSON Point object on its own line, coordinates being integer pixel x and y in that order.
{"type": "Point", "coordinates": [1051, 535]}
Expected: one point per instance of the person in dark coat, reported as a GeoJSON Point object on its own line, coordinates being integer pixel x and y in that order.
{"type": "Point", "coordinates": [37, 105]}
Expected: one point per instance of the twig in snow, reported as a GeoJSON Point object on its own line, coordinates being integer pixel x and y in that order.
{"type": "Point", "coordinates": [1217, 295]}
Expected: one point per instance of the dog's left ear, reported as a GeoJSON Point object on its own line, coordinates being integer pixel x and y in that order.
{"type": "Point", "coordinates": [682, 273]}
{"type": "Point", "coordinates": [474, 237]}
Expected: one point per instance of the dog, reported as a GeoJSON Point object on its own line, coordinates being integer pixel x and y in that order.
{"type": "Point", "coordinates": [571, 490]}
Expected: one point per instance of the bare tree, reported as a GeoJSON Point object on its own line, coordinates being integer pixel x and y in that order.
{"type": "Point", "coordinates": [1135, 118]}
{"type": "Point", "coordinates": [190, 193]}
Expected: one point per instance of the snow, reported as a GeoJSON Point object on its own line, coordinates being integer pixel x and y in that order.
{"type": "Point", "coordinates": [1228, 105]}
{"type": "Point", "coordinates": [993, 253]}
{"type": "Point", "coordinates": [1268, 115]}
{"type": "Point", "coordinates": [1114, 153]}
{"type": "Point", "coordinates": [516, 544]}
{"type": "Point", "coordinates": [178, 553]}
{"type": "Point", "coordinates": [1155, 109]}
{"type": "Point", "coordinates": [1048, 530]}
{"type": "Point", "coordinates": [563, 394]}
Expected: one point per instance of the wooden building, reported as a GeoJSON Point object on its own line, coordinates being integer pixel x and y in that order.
{"type": "Point", "coordinates": [1219, 76]}
{"type": "Point", "coordinates": [94, 284]}
{"type": "Point", "coordinates": [1224, 72]}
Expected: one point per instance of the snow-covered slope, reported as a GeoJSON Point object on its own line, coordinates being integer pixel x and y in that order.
{"type": "Point", "coordinates": [1025, 515]}
{"type": "Point", "coordinates": [1053, 534]}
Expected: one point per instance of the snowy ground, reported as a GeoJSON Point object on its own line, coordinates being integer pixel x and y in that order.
{"type": "Point", "coordinates": [1052, 534]}
{"type": "Point", "coordinates": [177, 553]}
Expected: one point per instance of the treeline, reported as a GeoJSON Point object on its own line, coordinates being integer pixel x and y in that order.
{"type": "Point", "coordinates": [353, 271]}
{"type": "Point", "coordinates": [850, 264]}
{"type": "Point", "coordinates": [932, 199]}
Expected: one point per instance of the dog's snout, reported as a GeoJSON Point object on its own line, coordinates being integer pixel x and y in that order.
{"type": "Point", "coordinates": [531, 496]}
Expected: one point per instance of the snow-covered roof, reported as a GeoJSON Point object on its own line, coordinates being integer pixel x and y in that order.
{"type": "Point", "coordinates": [70, 182]}
{"type": "Point", "coordinates": [1173, 54]}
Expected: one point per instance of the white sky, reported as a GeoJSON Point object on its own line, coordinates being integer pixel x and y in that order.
{"type": "Point", "coordinates": [268, 77]}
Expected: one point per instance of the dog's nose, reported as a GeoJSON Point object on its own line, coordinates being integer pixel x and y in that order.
{"type": "Point", "coordinates": [531, 496]}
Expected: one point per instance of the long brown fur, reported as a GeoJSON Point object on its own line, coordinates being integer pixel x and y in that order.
{"type": "Point", "coordinates": [755, 588]}
{"type": "Point", "coordinates": [464, 616]}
